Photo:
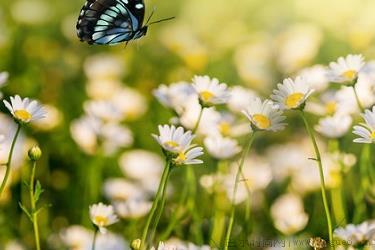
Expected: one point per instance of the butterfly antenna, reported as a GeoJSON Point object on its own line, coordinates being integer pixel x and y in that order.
{"type": "Point", "coordinates": [152, 13]}
{"type": "Point", "coordinates": [163, 20]}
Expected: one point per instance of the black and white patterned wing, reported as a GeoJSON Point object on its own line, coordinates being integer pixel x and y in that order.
{"type": "Point", "coordinates": [110, 21]}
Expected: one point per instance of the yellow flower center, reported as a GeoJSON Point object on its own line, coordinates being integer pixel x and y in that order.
{"type": "Point", "coordinates": [350, 74]}
{"type": "Point", "coordinates": [331, 107]}
{"type": "Point", "coordinates": [293, 100]}
{"type": "Point", "coordinates": [261, 121]}
{"type": "Point", "coordinates": [101, 220]}
{"type": "Point", "coordinates": [206, 96]}
{"type": "Point", "coordinates": [372, 135]}
{"type": "Point", "coordinates": [180, 158]}
{"type": "Point", "coordinates": [22, 115]}
{"type": "Point", "coordinates": [171, 144]}
{"type": "Point", "coordinates": [224, 128]}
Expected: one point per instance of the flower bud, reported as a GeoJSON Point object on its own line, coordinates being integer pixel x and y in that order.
{"type": "Point", "coordinates": [136, 244]}
{"type": "Point", "coordinates": [35, 153]}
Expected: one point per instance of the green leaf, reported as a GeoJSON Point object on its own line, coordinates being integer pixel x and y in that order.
{"type": "Point", "coordinates": [26, 184]}
{"type": "Point", "coordinates": [24, 209]}
{"type": "Point", "coordinates": [43, 207]}
{"type": "Point", "coordinates": [38, 191]}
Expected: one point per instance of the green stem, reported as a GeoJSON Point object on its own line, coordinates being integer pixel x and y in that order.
{"type": "Point", "coordinates": [94, 238]}
{"type": "Point", "coordinates": [233, 208]}
{"type": "Point", "coordinates": [338, 206]}
{"type": "Point", "coordinates": [322, 182]}
{"type": "Point", "coordinates": [33, 206]}
{"type": "Point", "coordinates": [177, 214]}
{"type": "Point", "coordinates": [8, 164]}
{"type": "Point", "coordinates": [155, 204]}
{"type": "Point", "coordinates": [199, 120]}
{"type": "Point", "coordinates": [357, 99]}
{"type": "Point", "coordinates": [247, 208]}
{"type": "Point", "coordinates": [160, 210]}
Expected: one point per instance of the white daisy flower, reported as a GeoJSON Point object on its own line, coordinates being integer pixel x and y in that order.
{"type": "Point", "coordinates": [292, 94]}
{"type": "Point", "coordinates": [25, 110]}
{"type": "Point", "coordinates": [221, 148]}
{"type": "Point", "coordinates": [366, 130]}
{"type": "Point", "coordinates": [173, 139]}
{"type": "Point", "coordinates": [178, 142]}
{"type": "Point", "coordinates": [264, 115]}
{"type": "Point", "coordinates": [346, 70]}
{"type": "Point", "coordinates": [356, 234]}
{"type": "Point", "coordinates": [210, 91]}
{"type": "Point", "coordinates": [175, 95]}
{"type": "Point", "coordinates": [334, 126]}
{"type": "Point", "coordinates": [102, 216]}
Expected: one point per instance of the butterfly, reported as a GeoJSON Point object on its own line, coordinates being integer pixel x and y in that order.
{"type": "Point", "coordinates": [110, 22]}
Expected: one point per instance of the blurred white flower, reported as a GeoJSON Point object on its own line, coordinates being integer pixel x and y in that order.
{"type": "Point", "coordinates": [356, 234]}
{"type": "Point", "coordinates": [282, 166]}
{"type": "Point", "coordinates": [111, 241]}
{"type": "Point", "coordinates": [297, 46]}
{"type": "Point", "coordinates": [288, 214]}
{"type": "Point", "coordinates": [346, 70]}
{"type": "Point", "coordinates": [102, 216]}
{"type": "Point", "coordinates": [366, 130]}
{"type": "Point", "coordinates": [51, 121]}
{"type": "Point", "coordinates": [3, 78]}
{"type": "Point", "coordinates": [103, 109]}
{"type": "Point", "coordinates": [315, 77]}
{"type": "Point", "coordinates": [341, 102]}
{"type": "Point", "coordinates": [178, 142]}
{"type": "Point", "coordinates": [240, 98]}
{"type": "Point", "coordinates": [264, 115]}
{"type": "Point", "coordinates": [253, 61]}
{"type": "Point", "coordinates": [189, 117]}
{"type": "Point", "coordinates": [7, 130]}
{"type": "Point", "coordinates": [139, 164]}
{"type": "Point", "coordinates": [90, 133]}
{"type": "Point", "coordinates": [175, 95]}
{"type": "Point", "coordinates": [334, 126]}
{"type": "Point", "coordinates": [104, 66]}
{"type": "Point", "coordinates": [292, 94]}
{"type": "Point", "coordinates": [210, 91]}
{"type": "Point", "coordinates": [25, 110]}
{"type": "Point", "coordinates": [176, 244]}
{"type": "Point", "coordinates": [32, 12]}
{"type": "Point", "coordinates": [77, 238]}
{"type": "Point", "coordinates": [221, 148]}
{"type": "Point", "coordinates": [103, 89]}
{"type": "Point", "coordinates": [133, 208]}
{"type": "Point", "coordinates": [225, 124]}
{"type": "Point", "coordinates": [115, 136]}
{"type": "Point", "coordinates": [14, 245]}
{"type": "Point", "coordinates": [131, 103]}
{"type": "Point", "coordinates": [119, 189]}
{"type": "Point", "coordinates": [144, 166]}
{"type": "Point", "coordinates": [256, 176]}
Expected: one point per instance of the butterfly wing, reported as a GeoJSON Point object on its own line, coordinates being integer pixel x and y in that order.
{"type": "Point", "coordinates": [110, 21]}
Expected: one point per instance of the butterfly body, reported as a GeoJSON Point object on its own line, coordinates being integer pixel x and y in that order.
{"type": "Point", "coordinates": [109, 22]}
